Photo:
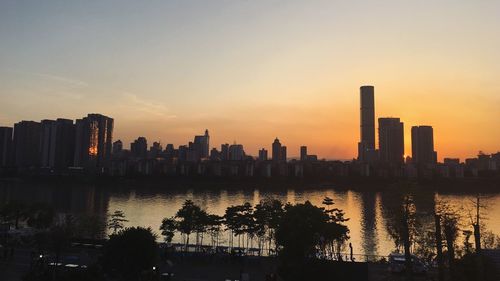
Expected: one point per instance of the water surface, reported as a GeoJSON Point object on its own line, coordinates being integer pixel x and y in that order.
{"type": "Point", "coordinates": [147, 207]}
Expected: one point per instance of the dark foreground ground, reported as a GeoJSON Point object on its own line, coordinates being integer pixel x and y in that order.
{"type": "Point", "coordinates": [209, 268]}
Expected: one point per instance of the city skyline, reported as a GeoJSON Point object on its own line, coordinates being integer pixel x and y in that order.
{"type": "Point", "coordinates": [251, 71]}
{"type": "Point", "coordinates": [267, 146]}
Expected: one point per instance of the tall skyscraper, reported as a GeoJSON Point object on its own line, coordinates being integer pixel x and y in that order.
{"type": "Point", "coordinates": [391, 140]}
{"type": "Point", "coordinates": [201, 145]}
{"type": "Point", "coordinates": [47, 143]}
{"type": "Point", "coordinates": [303, 153]}
{"type": "Point", "coordinates": [5, 146]}
{"type": "Point", "coordinates": [65, 143]}
{"type": "Point", "coordinates": [422, 145]}
{"type": "Point", "coordinates": [93, 142]}
{"type": "Point", "coordinates": [27, 144]}
{"type": "Point", "coordinates": [276, 153]}
{"type": "Point", "coordinates": [263, 154]}
{"type": "Point", "coordinates": [224, 151]}
{"type": "Point", "coordinates": [283, 154]}
{"type": "Point", "coordinates": [367, 121]}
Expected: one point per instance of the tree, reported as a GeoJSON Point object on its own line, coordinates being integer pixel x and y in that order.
{"type": "Point", "coordinates": [299, 231]}
{"type": "Point", "coordinates": [168, 228]}
{"type": "Point", "coordinates": [91, 226]}
{"type": "Point", "coordinates": [267, 215]}
{"type": "Point", "coordinates": [40, 216]}
{"type": "Point", "coordinates": [190, 218]}
{"type": "Point", "coordinates": [402, 224]}
{"type": "Point", "coordinates": [129, 252]}
{"type": "Point", "coordinates": [439, 246]}
{"type": "Point", "coordinates": [450, 228]}
{"type": "Point", "coordinates": [116, 221]}
{"type": "Point", "coordinates": [60, 236]}
{"type": "Point", "coordinates": [233, 223]}
{"type": "Point", "coordinates": [490, 240]}
{"type": "Point", "coordinates": [214, 228]}
{"type": "Point", "coordinates": [247, 221]}
{"type": "Point", "coordinates": [476, 225]}
{"type": "Point", "coordinates": [335, 233]}
{"type": "Point", "coordinates": [298, 236]}
{"type": "Point", "coordinates": [14, 212]}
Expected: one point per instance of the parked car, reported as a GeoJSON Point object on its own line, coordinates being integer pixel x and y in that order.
{"type": "Point", "coordinates": [397, 264]}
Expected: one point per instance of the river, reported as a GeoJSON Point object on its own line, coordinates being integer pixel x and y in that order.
{"type": "Point", "coordinates": [148, 206]}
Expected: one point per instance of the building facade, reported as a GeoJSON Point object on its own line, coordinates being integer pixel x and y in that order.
{"type": "Point", "coordinates": [27, 144]}
{"type": "Point", "coordinates": [391, 140]}
{"type": "Point", "coordinates": [367, 121]}
{"type": "Point", "coordinates": [422, 145]}
{"type": "Point", "coordinates": [6, 146]}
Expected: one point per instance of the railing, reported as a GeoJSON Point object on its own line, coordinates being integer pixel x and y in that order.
{"type": "Point", "coordinates": [252, 252]}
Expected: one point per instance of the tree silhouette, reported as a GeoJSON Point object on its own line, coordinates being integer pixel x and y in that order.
{"type": "Point", "coordinates": [402, 224]}
{"type": "Point", "coordinates": [189, 219]}
{"type": "Point", "coordinates": [168, 228]}
{"type": "Point", "coordinates": [335, 233]}
{"type": "Point", "coordinates": [116, 221]}
{"type": "Point", "coordinates": [130, 252]}
{"type": "Point", "coordinates": [214, 228]}
{"type": "Point", "coordinates": [40, 216]}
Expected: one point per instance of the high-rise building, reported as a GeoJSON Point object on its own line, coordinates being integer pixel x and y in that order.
{"type": "Point", "coordinates": [93, 142]}
{"type": "Point", "coordinates": [65, 144]}
{"type": "Point", "coordinates": [47, 143]}
{"type": "Point", "coordinates": [169, 150]}
{"type": "Point", "coordinates": [156, 149]}
{"type": "Point", "coordinates": [224, 152]}
{"type": "Point", "coordinates": [27, 144]}
{"type": "Point", "coordinates": [422, 145]}
{"type": "Point", "coordinates": [391, 140]}
{"type": "Point", "coordinates": [236, 152]}
{"type": "Point", "coordinates": [214, 154]}
{"type": "Point", "coordinates": [276, 150]}
{"type": "Point", "coordinates": [201, 145]}
{"type": "Point", "coordinates": [117, 147]}
{"type": "Point", "coordinates": [5, 146]}
{"type": "Point", "coordinates": [303, 153]}
{"type": "Point", "coordinates": [139, 148]}
{"type": "Point", "coordinates": [367, 121]}
{"type": "Point", "coordinates": [263, 154]}
{"type": "Point", "coordinates": [283, 154]}
{"type": "Point", "coordinates": [183, 151]}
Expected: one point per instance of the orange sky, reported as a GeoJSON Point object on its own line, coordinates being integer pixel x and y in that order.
{"type": "Point", "coordinates": [250, 71]}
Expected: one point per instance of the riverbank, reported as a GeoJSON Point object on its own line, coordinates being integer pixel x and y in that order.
{"type": "Point", "coordinates": [464, 185]}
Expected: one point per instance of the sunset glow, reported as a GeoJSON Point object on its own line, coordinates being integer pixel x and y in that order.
{"type": "Point", "coordinates": [250, 71]}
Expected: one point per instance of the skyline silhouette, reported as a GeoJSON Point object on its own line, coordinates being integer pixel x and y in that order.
{"type": "Point", "coordinates": [368, 145]}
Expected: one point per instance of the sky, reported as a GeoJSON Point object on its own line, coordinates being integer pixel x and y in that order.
{"type": "Point", "coordinates": [250, 71]}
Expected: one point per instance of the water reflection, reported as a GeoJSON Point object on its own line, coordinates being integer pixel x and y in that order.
{"type": "Point", "coordinates": [147, 207]}
{"type": "Point", "coordinates": [369, 223]}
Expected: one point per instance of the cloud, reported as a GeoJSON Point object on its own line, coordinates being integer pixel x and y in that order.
{"type": "Point", "coordinates": [68, 81]}
{"type": "Point", "coordinates": [157, 109]}
{"type": "Point", "coordinates": [63, 79]}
